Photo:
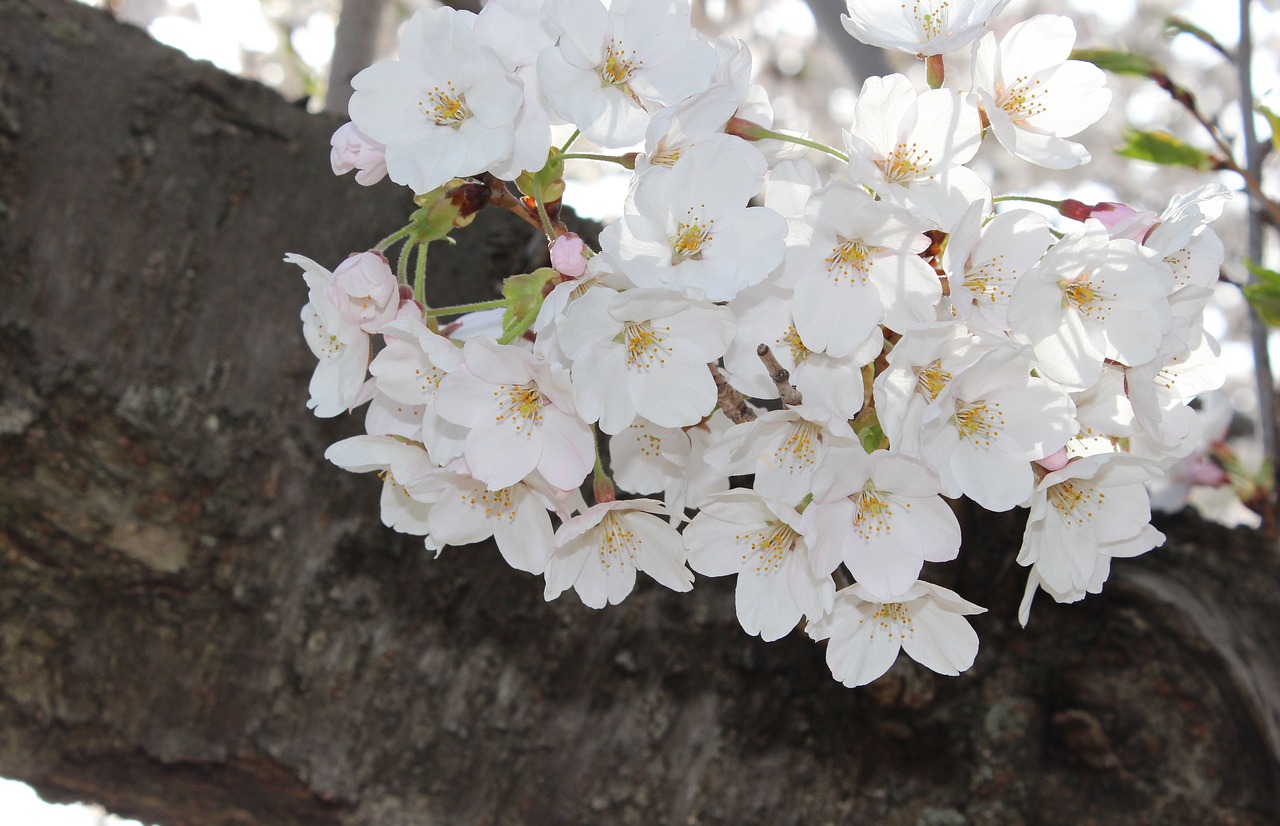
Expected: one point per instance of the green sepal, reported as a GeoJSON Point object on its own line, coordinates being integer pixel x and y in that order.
{"type": "Point", "coordinates": [1163, 148]}
{"type": "Point", "coordinates": [437, 215]}
{"type": "Point", "coordinates": [1264, 293]}
{"type": "Point", "coordinates": [1117, 62]}
{"type": "Point", "coordinates": [550, 179]}
{"type": "Point", "coordinates": [867, 425]}
{"type": "Point", "coordinates": [525, 292]}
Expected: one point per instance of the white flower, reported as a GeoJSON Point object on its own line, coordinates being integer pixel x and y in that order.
{"type": "Point", "coordinates": [997, 419]}
{"type": "Point", "coordinates": [909, 148]}
{"type": "Point", "coordinates": [1094, 509]}
{"type": "Point", "coordinates": [599, 551]}
{"type": "Point", "coordinates": [866, 633]}
{"type": "Point", "coordinates": [402, 466]}
{"type": "Point", "coordinates": [409, 370]}
{"type": "Point", "coordinates": [466, 511]}
{"type": "Point", "coordinates": [1091, 298]}
{"type": "Point", "coordinates": [881, 516]}
{"type": "Point", "coordinates": [742, 533]}
{"type": "Point", "coordinates": [521, 417]}
{"type": "Point", "coordinates": [831, 387]}
{"type": "Point", "coordinates": [643, 352]}
{"type": "Point", "coordinates": [983, 262]}
{"type": "Point", "coordinates": [1033, 96]}
{"type": "Point", "coordinates": [920, 27]}
{"type": "Point", "coordinates": [859, 268]}
{"type": "Point", "coordinates": [649, 459]}
{"type": "Point", "coordinates": [783, 448]}
{"type": "Point", "coordinates": [446, 108]}
{"type": "Point", "coordinates": [690, 229]}
{"type": "Point", "coordinates": [611, 65]}
{"type": "Point", "coordinates": [337, 341]}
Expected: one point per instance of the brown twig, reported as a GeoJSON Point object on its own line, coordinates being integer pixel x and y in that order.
{"type": "Point", "coordinates": [730, 400]}
{"type": "Point", "coordinates": [780, 377]}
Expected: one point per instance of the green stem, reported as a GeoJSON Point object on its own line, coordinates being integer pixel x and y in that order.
{"type": "Point", "coordinates": [1030, 199]}
{"type": "Point", "coordinates": [518, 327]}
{"type": "Point", "coordinates": [620, 160]}
{"type": "Point", "coordinates": [420, 276]}
{"type": "Point", "coordinates": [547, 226]}
{"type": "Point", "coordinates": [601, 485]}
{"type": "Point", "coordinates": [459, 309]}
{"type": "Point", "coordinates": [568, 143]}
{"type": "Point", "coordinates": [393, 237]}
{"type": "Point", "coordinates": [402, 264]}
{"type": "Point", "coordinates": [796, 139]}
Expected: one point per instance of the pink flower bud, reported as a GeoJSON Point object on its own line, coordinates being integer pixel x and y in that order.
{"type": "Point", "coordinates": [366, 291]}
{"type": "Point", "coordinates": [352, 149]}
{"type": "Point", "coordinates": [1204, 472]}
{"type": "Point", "coordinates": [1054, 461]}
{"type": "Point", "coordinates": [1123, 221]}
{"type": "Point", "coordinates": [568, 255]}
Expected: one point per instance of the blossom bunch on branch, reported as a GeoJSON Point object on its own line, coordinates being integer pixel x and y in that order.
{"type": "Point", "coordinates": [865, 344]}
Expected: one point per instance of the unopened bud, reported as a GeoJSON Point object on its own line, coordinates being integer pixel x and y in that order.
{"type": "Point", "coordinates": [568, 255]}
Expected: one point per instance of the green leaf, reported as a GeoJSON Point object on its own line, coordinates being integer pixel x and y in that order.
{"type": "Point", "coordinates": [1120, 63]}
{"type": "Point", "coordinates": [1273, 120]}
{"type": "Point", "coordinates": [1264, 292]}
{"type": "Point", "coordinates": [1163, 148]}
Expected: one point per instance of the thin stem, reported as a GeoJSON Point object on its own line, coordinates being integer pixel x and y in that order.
{"type": "Point", "coordinates": [539, 202]}
{"type": "Point", "coordinates": [1258, 332]}
{"type": "Point", "coordinates": [420, 276]}
{"type": "Point", "coordinates": [393, 237]}
{"type": "Point", "coordinates": [459, 309]}
{"type": "Point", "coordinates": [1029, 199]}
{"type": "Point", "coordinates": [821, 147]}
{"type": "Point", "coordinates": [620, 160]}
{"type": "Point", "coordinates": [402, 265]}
{"type": "Point", "coordinates": [562, 150]}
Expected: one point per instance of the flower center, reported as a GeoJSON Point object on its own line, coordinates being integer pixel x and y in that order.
{"type": "Point", "coordinates": [987, 281]}
{"type": "Point", "coordinates": [644, 344]}
{"type": "Point", "coordinates": [932, 379]}
{"type": "Point", "coordinates": [905, 163]}
{"type": "Point", "coordinates": [931, 19]}
{"type": "Point", "coordinates": [691, 236]}
{"type": "Point", "coordinates": [799, 450]}
{"type": "Point", "coordinates": [979, 422]}
{"type": "Point", "coordinates": [619, 64]}
{"type": "Point", "coordinates": [893, 616]}
{"type": "Point", "coordinates": [1087, 295]}
{"type": "Point", "coordinates": [445, 106]}
{"type": "Point", "coordinates": [619, 544]}
{"type": "Point", "coordinates": [874, 512]}
{"type": "Point", "coordinates": [1021, 99]}
{"type": "Point", "coordinates": [1076, 504]}
{"type": "Point", "coordinates": [791, 338]}
{"type": "Point", "coordinates": [847, 258]}
{"type": "Point", "coordinates": [520, 403]}
{"type": "Point", "coordinates": [496, 503]}
{"type": "Point", "coordinates": [769, 546]}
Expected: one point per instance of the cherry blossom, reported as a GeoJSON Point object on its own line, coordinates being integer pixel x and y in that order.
{"type": "Point", "coordinates": [743, 533]}
{"type": "Point", "coordinates": [866, 633]}
{"type": "Point", "coordinates": [599, 551]}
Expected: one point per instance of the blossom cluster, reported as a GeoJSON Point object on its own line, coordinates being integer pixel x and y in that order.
{"type": "Point", "coordinates": [865, 345]}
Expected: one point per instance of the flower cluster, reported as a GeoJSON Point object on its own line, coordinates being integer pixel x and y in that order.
{"type": "Point", "coordinates": [865, 345]}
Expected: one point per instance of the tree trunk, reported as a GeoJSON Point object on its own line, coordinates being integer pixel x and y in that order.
{"type": "Point", "coordinates": [203, 622]}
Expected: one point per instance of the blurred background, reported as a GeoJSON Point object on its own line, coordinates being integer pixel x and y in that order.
{"type": "Point", "coordinates": [307, 50]}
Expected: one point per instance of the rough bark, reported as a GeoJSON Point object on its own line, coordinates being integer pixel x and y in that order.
{"type": "Point", "coordinates": [202, 622]}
